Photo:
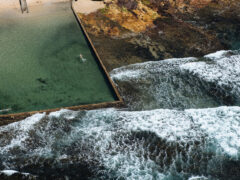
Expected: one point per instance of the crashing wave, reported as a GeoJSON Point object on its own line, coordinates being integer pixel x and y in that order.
{"type": "Point", "coordinates": [219, 73]}
{"type": "Point", "coordinates": [181, 83]}
{"type": "Point", "coordinates": [125, 144]}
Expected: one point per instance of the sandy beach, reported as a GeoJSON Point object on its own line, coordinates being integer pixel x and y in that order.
{"type": "Point", "coordinates": [81, 6]}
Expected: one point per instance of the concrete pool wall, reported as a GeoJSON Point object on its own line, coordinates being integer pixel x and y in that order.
{"type": "Point", "coordinates": [12, 117]}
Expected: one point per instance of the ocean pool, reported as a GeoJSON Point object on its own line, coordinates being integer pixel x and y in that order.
{"type": "Point", "coordinates": [46, 62]}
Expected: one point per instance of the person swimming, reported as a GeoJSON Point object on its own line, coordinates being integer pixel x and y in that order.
{"type": "Point", "coordinates": [82, 58]}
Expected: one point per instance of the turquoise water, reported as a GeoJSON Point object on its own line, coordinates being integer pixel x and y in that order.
{"type": "Point", "coordinates": [40, 62]}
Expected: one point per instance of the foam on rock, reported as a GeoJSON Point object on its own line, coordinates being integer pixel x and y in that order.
{"type": "Point", "coordinates": [181, 83]}
{"type": "Point", "coordinates": [220, 73]}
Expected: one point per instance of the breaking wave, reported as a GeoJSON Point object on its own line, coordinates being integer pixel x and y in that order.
{"type": "Point", "coordinates": [182, 122]}
{"type": "Point", "coordinates": [182, 83]}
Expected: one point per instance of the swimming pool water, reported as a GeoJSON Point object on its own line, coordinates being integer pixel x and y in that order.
{"type": "Point", "coordinates": [46, 62]}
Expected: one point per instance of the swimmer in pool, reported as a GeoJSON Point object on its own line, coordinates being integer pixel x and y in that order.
{"type": "Point", "coordinates": [82, 58]}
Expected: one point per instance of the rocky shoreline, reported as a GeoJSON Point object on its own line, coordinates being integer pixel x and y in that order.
{"type": "Point", "coordinates": [126, 32]}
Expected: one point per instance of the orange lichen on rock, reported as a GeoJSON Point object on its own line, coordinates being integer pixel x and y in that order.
{"type": "Point", "coordinates": [99, 25]}
{"type": "Point", "coordinates": [136, 20]}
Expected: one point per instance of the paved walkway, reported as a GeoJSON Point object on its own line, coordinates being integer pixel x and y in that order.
{"type": "Point", "coordinates": [81, 6]}
{"type": "Point", "coordinates": [87, 6]}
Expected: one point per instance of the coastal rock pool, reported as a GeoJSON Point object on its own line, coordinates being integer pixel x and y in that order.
{"type": "Point", "coordinates": [46, 62]}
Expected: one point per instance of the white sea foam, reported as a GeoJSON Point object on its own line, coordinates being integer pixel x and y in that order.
{"type": "Point", "coordinates": [8, 172]}
{"type": "Point", "coordinates": [124, 75]}
{"type": "Point", "coordinates": [99, 130]}
{"type": "Point", "coordinates": [171, 125]}
{"type": "Point", "coordinates": [131, 166]}
{"type": "Point", "coordinates": [141, 69]}
{"type": "Point", "coordinates": [222, 125]}
{"type": "Point", "coordinates": [223, 71]}
{"type": "Point", "coordinates": [217, 55]}
{"type": "Point", "coordinates": [19, 131]}
{"type": "Point", "coordinates": [153, 85]}
{"type": "Point", "coordinates": [12, 172]}
{"type": "Point", "coordinates": [181, 83]}
{"type": "Point", "coordinates": [198, 178]}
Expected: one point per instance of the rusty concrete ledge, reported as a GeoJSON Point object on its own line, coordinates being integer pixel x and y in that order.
{"type": "Point", "coordinates": [10, 118]}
